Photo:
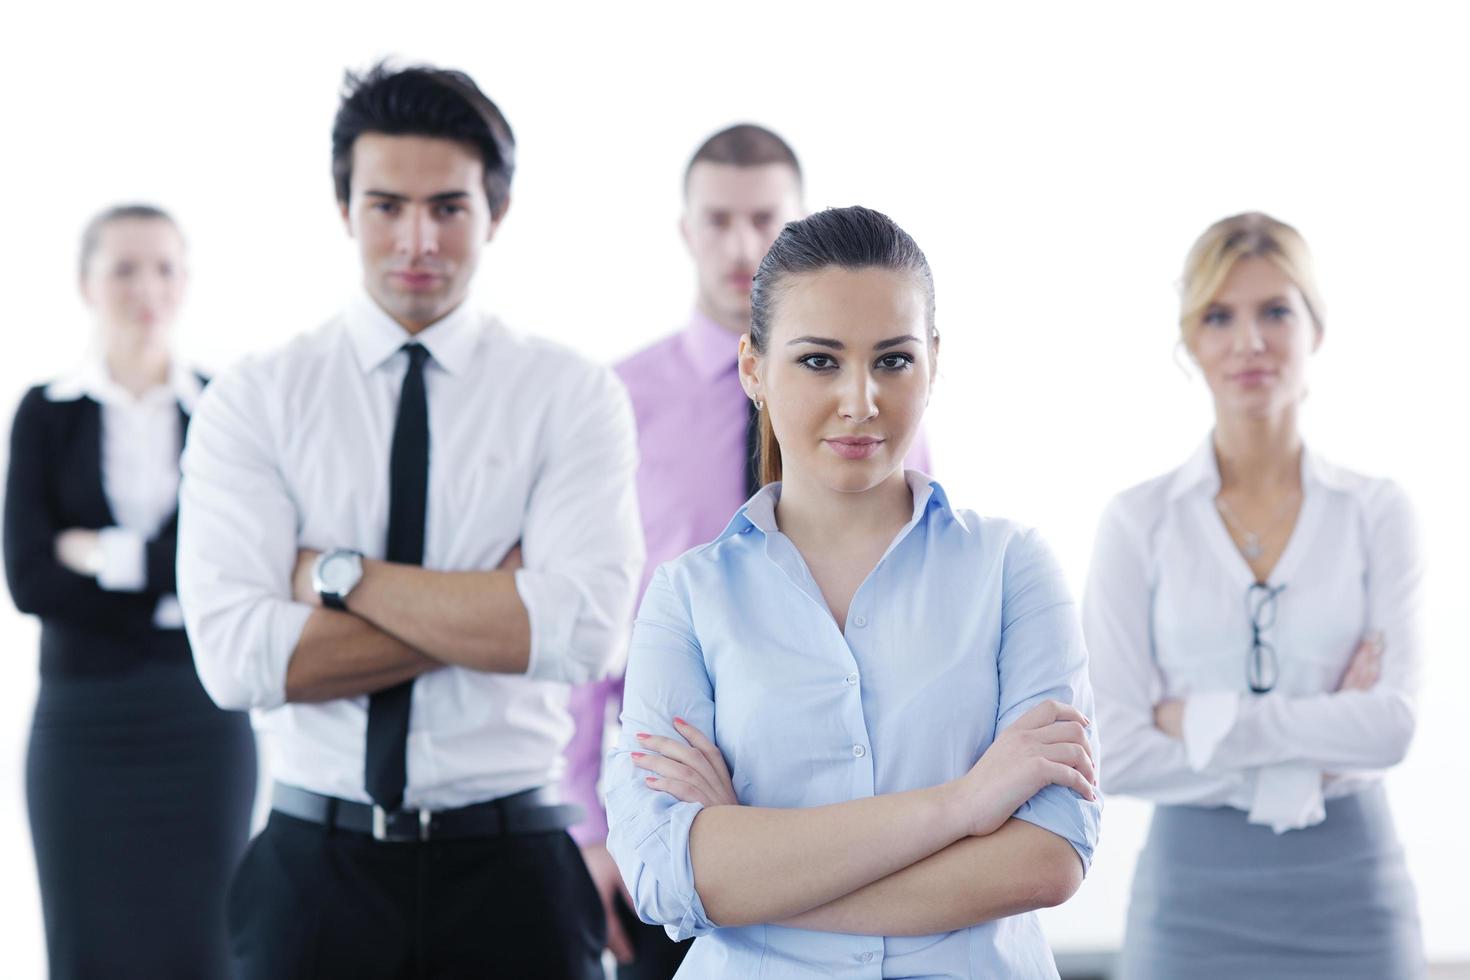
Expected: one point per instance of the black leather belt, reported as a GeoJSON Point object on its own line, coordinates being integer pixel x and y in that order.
{"type": "Point", "coordinates": [536, 811]}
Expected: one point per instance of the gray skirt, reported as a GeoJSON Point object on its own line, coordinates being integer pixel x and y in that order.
{"type": "Point", "coordinates": [1214, 896]}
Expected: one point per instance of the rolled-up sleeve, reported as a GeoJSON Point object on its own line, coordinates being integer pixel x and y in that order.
{"type": "Point", "coordinates": [582, 541]}
{"type": "Point", "coordinates": [237, 546]}
{"type": "Point", "coordinates": [648, 830]}
{"type": "Point", "coordinates": [1042, 656]}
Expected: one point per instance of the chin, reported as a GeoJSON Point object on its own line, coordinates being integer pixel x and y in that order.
{"type": "Point", "coordinates": [857, 476]}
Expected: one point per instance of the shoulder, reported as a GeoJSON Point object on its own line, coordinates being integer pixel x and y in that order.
{"type": "Point", "coordinates": [651, 363]}
{"type": "Point", "coordinates": [37, 409]}
{"type": "Point", "coordinates": [1378, 498]}
{"type": "Point", "coordinates": [551, 366]}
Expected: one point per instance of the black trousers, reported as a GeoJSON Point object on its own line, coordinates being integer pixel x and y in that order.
{"type": "Point", "coordinates": [308, 902]}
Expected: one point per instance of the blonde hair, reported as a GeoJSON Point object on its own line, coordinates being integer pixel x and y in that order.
{"type": "Point", "coordinates": [1244, 236]}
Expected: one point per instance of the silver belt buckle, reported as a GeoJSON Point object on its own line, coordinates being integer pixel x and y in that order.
{"type": "Point", "coordinates": [384, 832]}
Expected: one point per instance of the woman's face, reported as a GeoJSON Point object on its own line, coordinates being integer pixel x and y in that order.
{"type": "Point", "coordinates": [846, 374]}
{"type": "Point", "coordinates": [134, 282]}
{"type": "Point", "coordinates": [1253, 342]}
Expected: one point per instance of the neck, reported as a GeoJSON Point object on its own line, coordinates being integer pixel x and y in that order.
{"type": "Point", "coordinates": [810, 511]}
{"type": "Point", "coordinates": [735, 324]}
{"type": "Point", "coordinates": [1258, 454]}
{"type": "Point", "coordinates": [137, 370]}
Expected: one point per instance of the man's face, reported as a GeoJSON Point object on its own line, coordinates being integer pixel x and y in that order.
{"type": "Point", "coordinates": [732, 215]}
{"type": "Point", "coordinates": [420, 216]}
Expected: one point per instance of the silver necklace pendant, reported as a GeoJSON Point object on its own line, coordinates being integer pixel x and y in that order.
{"type": "Point", "coordinates": [1252, 548]}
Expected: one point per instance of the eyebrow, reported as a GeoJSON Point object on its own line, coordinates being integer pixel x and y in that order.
{"type": "Point", "coordinates": [839, 345]}
{"type": "Point", "coordinates": [433, 198]}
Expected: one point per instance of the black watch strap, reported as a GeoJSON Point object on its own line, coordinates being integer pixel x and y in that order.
{"type": "Point", "coordinates": [333, 601]}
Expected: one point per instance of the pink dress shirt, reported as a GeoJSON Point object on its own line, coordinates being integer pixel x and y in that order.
{"type": "Point", "coordinates": [691, 415]}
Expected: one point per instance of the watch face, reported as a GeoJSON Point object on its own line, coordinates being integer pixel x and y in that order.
{"type": "Point", "coordinates": [339, 573]}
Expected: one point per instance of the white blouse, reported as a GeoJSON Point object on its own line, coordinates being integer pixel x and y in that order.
{"type": "Point", "coordinates": [140, 469]}
{"type": "Point", "coordinates": [1165, 616]}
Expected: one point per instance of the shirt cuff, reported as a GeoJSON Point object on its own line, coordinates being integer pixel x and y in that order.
{"type": "Point", "coordinates": [123, 567]}
{"type": "Point", "coordinates": [1288, 798]}
{"type": "Point", "coordinates": [1208, 718]}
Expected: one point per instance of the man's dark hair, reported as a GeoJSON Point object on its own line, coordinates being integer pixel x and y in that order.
{"type": "Point", "coordinates": [423, 101]}
{"type": "Point", "coordinates": [92, 234]}
{"type": "Point", "coordinates": [744, 145]}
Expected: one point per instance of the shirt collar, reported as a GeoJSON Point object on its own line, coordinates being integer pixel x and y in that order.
{"type": "Point", "coordinates": [759, 512]}
{"type": "Point", "coordinates": [375, 336]}
{"type": "Point", "coordinates": [1201, 472]}
{"type": "Point", "coordinates": [710, 347]}
{"type": "Point", "coordinates": [90, 379]}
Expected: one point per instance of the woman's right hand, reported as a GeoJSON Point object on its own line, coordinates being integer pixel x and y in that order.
{"type": "Point", "coordinates": [1045, 746]}
{"type": "Point", "coordinates": [1365, 667]}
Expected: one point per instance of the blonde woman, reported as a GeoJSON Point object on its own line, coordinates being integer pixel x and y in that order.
{"type": "Point", "coordinates": [1251, 622]}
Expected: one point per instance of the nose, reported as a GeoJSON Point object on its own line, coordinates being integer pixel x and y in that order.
{"type": "Point", "coordinates": [859, 399]}
{"type": "Point", "coordinates": [419, 235]}
{"type": "Point", "coordinates": [745, 244]}
{"type": "Point", "coordinates": [1249, 338]}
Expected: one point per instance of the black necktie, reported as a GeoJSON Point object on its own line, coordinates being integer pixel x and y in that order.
{"type": "Point", "coordinates": [386, 770]}
{"type": "Point", "coordinates": [752, 449]}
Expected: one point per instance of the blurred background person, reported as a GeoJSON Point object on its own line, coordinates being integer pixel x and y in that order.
{"type": "Point", "coordinates": [139, 789]}
{"type": "Point", "coordinates": [696, 438]}
{"type": "Point", "coordinates": [1251, 618]}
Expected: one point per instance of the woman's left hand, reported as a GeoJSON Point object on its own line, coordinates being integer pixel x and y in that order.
{"type": "Point", "coordinates": [692, 771]}
{"type": "Point", "coordinates": [1169, 718]}
{"type": "Point", "coordinates": [79, 550]}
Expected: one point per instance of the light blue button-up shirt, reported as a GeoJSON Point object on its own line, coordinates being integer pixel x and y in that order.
{"type": "Point", "coordinates": [964, 625]}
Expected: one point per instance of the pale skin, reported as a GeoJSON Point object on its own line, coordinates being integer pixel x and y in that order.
{"type": "Point", "coordinates": [420, 215]}
{"type": "Point", "coordinates": [1252, 346]}
{"type": "Point", "coordinates": [849, 362]}
{"type": "Point", "coordinates": [731, 216]}
{"type": "Point", "coordinates": [133, 285]}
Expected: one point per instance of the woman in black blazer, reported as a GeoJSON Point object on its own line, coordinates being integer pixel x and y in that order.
{"type": "Point", "coordinates": [139, 788]}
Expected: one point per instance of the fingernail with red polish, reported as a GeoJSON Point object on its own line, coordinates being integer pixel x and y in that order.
{"type": "Point", "coordinates": [641, 735]}
{"type": "Point", "coordinates": [649, 779]}
{"type": "Point", "coordinates": [680, 721]}
{"type": "Point", "coordinates": [636, 755]}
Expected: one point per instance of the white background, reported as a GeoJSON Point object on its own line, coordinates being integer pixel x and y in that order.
{"type": "Point", "coordinates": [1055, 161]}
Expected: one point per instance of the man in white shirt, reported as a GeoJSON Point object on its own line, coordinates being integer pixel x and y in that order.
{"type": "Point", "coordinates": [401, 536]}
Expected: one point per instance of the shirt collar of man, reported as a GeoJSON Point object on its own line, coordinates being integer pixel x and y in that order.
{"type": "Point", "coordinates": [89, 379]}
{"type": "Point", "coordinates": [375, 336]}
{"type": "Point", "coordinates": [1201, 473]}
{"type": "Point", "coordinates": [759, 513]}
{"type": "Point", "coordinates": [710, 347]}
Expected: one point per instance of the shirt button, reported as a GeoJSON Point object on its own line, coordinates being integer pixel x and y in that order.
{"type": "Point", "coordinates": [858, 751]}
{"type": "Point", "coordinates": [867, 957]}
{"type": "Point", "coordinates": [850, 679]}
{"type": "Point", "coordinates": [860, 622]}
{"type": "Point", "coordinates": [745, 529]}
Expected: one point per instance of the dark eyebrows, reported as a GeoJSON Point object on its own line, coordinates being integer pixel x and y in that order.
{"type": "Point", "coordinates": [433, 198]}
{"type": "Point", "coordinates": [896, 341]}
{"type": "Point", "coordinates": [839, 345]}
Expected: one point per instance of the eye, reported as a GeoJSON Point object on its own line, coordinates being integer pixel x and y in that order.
{"type": "Point", "coordinates": [1215, 318]}
{"type": "Point", "coordinates": [166, 270]}
{"type": "Point", "coordinates": [388, 208]}
{"type": "Point", "coordinates": [449, 210]}
{"type": "Point", "coordinates": [124, 270]}
{"type": "Point", "coordinates": [818, 362]}
{"type": "Point", "coordinates": [1279, 312]}
{"type": "Point", "coordinates": [896, 362]}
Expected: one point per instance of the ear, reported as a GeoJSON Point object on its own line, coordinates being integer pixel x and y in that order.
{"type": "Point", "coordinates": [684, 231]}
{"type": "Point", "coordinates": [751, 365]}
{"type": "Point", "coordinates": [346, 212]}
{"type": "Point", "coordinates": [497, 215]}
{"type": "Point", "coordinates": [1318, 334]}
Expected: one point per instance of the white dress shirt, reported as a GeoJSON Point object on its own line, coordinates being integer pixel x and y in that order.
{"type": "Point", "coordinates": [1165, 616]}
{"type": "Point", "coordinates": [529, 443]}
{"type": "Point", "coordinates": [140, 469]}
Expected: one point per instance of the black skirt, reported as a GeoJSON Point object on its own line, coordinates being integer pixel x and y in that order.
{"type": "Point", "coordinates": [139, 792]}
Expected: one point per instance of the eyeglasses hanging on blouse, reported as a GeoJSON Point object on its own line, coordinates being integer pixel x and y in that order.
{"type": "Point", "coordinates": [1261, 668]}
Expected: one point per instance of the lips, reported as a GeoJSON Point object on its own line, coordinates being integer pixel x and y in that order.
{"type": "Point", "coordinates": [417, 280]}
{"type": "Point", "coordinates": [1253, 378]}
{"type": "Point", "coordinates": [855, 447]}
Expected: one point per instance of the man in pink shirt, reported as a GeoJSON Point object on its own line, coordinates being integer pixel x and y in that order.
{"type": "Point", "coordinates": [695, 442]}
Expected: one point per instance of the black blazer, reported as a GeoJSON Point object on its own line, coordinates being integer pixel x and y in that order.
{"type": "Point", "coordinates": [55, 483]}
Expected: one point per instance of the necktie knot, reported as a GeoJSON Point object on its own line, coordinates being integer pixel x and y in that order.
{"type": "Point", "coordinates": [417, 355]}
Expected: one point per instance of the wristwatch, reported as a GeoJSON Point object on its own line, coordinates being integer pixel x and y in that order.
{"type": "Point", "coordinates": [335, 574]}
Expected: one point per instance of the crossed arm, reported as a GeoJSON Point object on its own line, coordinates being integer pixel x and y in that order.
{"type": "Point", "coordinates": [911, 863]}
{"type": "Point", "coordinates": [403, 621]}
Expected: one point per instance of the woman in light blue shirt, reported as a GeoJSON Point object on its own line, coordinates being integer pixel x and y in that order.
{"type": "Point", "coordinates": [900, 766]}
